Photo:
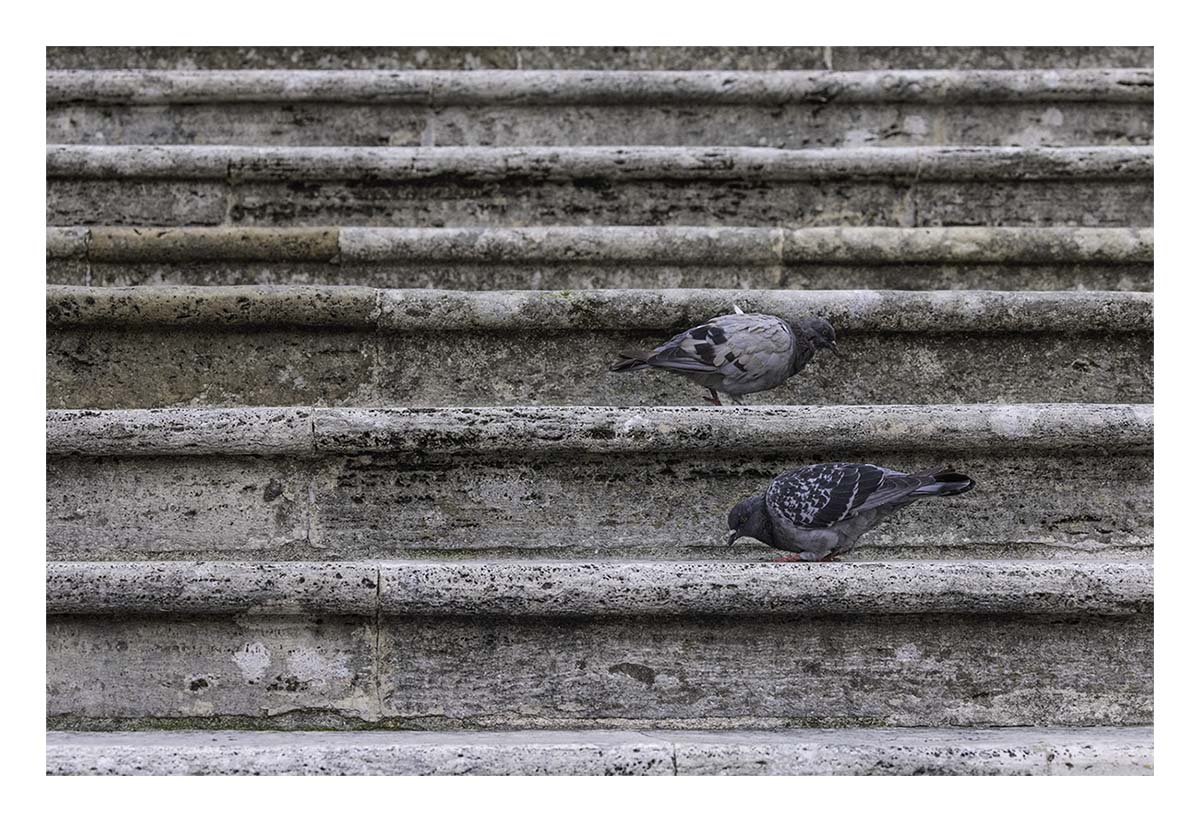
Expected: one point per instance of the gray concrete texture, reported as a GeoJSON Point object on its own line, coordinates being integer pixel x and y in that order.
{"type": "Point", "coordinates": [299, 345]}
{"type": "Point", "coordinates": [559, 108]}
{"type": "Point", "coordinates": [276, 186]}
{"type": "Point", "coordinates": [576, 482]}
{"type": "Point", "coordinates": [722, 58]}
{"type": "Point", "coordinates": [585, 257]}
{"type": "Point", "coordinates": [878, 751]}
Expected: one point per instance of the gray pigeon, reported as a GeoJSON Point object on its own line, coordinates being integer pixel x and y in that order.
{"type": "Point", "coordinates": [819, 512]}
{"type": "Point", "coordinates": [736, 354]}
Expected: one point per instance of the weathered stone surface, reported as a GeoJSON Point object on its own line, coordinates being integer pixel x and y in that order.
{"type": "Point", "coordinates": [135, 202]}
{"type": "Point", "coordinates": [448, 88]}
{"type": "Point", "coordinates": [214, 588]}
{"type": "Point", "coordinates": [117, 367]}
{"type": "Point", "coordinates": [145, 347]}
{"type": "Point", "coordinates": [724, 589]}
{"type": "Point", "coordinates": [559, 258]}
{"type": "Point", "coordinates": [601, 590]}
{"type": "Point", "coordinates": [1047, 428]}
{"type": "Point", "coordinates": [1024, 751]}
{"type": "Point", "coordinates": [281, 245]}
{"type": "Point", "coordinates": [249, 431]}
{"type": "Point", "coordinates": [195, 671]}
{"type": "Point", "coordinates": [523, 108]}
{"type": "Point", "coordinates": [857, 58]}
{"type": "Point", "coordinates": [616, 186]}
{"type": "Point", "coordinates": [742, 58]}
{"type": "Point", "coordinates": [415, 311]}
{"type": "Point", "coordinates": [268, 163]}
{"type": "Point", "coordinates": [239, 307]}
{"type": "Point", "coordinates": [66, 256]}
{"type": "Point", "coordinates": [761, 673]}
{"type": "Point", "coordinates": [583, 483]}
{"type": "Point", "coordinates": [1053, 653]}
{"type": "Point", "coordinates": [878, 751]}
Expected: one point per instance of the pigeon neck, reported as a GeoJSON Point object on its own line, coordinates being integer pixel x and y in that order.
{"type": "Point", "coordinates": [759, 526]}
{"type": "Point", "coordinates": [805, 351]}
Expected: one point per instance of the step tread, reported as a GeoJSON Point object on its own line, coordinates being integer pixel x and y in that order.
{"type": "Point", "coordinates": [604, 589]}
{"type": "Point", "coordinates": [557, 87]}
{"type": "Point", "coordinates": [691, 244]}
{"type": "Point", "coordinates": [283, 163]}
{"type": "Point", "coordinates": [471, 58]}
{"type": "Point", "coordinates": [294, 430]}
{"type": "Point", "coordinates": [432, 310]}
{"type": "Point", "coordinates": [1126, 750]}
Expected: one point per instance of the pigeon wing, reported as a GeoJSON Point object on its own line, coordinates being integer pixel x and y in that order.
{"type": "Point", "coordinates": [736, 346]}
{"type": "Point", "coordinates": [820, 496]}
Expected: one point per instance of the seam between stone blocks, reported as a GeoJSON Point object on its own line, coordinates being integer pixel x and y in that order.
{"type": "Point", "coordinates": [913, 192]}
{"type": "Point", "coordinates": [376, 666]}
{"type": "Point", "coordinates": [228, 193]}
{"type": "Point", "coordinates": [778, 235]}
{"type": "Point", "coordinates": [308, 509]}
{"type": "Point", "coordinates": [87, 257]}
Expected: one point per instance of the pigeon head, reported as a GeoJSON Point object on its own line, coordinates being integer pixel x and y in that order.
{"type": "Point", "coordinates": [818, 332]}
{"type": "Point", "coordinates": [749, 518]}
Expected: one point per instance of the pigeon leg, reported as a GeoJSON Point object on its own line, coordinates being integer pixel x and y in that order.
{"type": "Point", "coordinates": [714, 399]}
{"type": "Point", "coordinates": [736, 399]}
{"type": "Point", "coordinates": [789, 558]}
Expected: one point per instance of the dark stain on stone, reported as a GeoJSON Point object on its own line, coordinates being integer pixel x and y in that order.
{"type": "Point", "coordinates": [198, 684]}
{"type": "Point", "coordinates": [273, 490]}
{"type": "Point", "coordinates": [641, 673]}
{"type": "Point", "coordinates": [291, 684]}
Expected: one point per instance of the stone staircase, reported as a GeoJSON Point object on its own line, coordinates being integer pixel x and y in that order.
{"type": "Point", "coordinates": [338, 481]}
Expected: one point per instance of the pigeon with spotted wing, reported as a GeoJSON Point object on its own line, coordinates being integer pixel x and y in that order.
{"type": "Point", "coordinates": [736, 354]}
{"type": "Point", "coordinates": [819, 512]}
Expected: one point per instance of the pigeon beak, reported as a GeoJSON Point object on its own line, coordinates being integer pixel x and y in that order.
{"type": "Point", "coordinates": [731, 537]}
{"type": "Point", "coordinates": [833, 347]}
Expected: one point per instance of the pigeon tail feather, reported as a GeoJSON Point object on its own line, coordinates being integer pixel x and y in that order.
{"type": "Point", "coordinates": [945, 484]}
{"type": "Point", "coordinates": [632, 361]}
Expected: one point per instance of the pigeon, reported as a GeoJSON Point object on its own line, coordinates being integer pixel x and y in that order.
{"type": "Point", "coordinates": [818, 512]}
{"type": "Point", "coordinates": [737, 354]}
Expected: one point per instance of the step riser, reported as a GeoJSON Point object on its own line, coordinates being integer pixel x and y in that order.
{"type": "Point", "coordinates": [573, 505]}
{"type": "Point", "coordinates": [273, 672]}
{"type": "Point", "coordinates": [727, 58]}
{"type": "Point", "coordinates": [134, 367]}
{"type": "Point", "coordinates": [1100, 203]}
{"type": "Point", "coordinates": [704, 124]}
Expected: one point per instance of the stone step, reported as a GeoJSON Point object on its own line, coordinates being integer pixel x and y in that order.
{"type": "Point", "coordinates": [433, 187]}
{"type": "Point", "coordinates": [149, 346]}
{"type": "Point", "coordinates": [429, 646]}
{"type": "Point", "coordinates": [746, 58]}
{"type": "Point", "coordinates": [581, 257]}
{"type": "Point", "coordinates": [305, 483]}
{"type": "Point", "coordinates": [840, 752]}
{"type": "Point", "coordinates": [559, 108]}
